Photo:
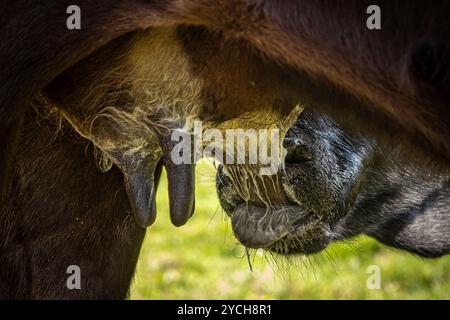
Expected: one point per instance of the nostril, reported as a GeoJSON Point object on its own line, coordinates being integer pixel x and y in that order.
{"type": "Point", "coordinates": [291, 142]}
{"type": "Point", "coordinates": [298, 154]}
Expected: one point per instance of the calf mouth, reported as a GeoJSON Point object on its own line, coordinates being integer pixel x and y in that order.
{"type": "Point", "coordinates": [284, 229]}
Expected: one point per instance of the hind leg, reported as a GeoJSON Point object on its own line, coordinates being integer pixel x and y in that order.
{"type": "Point", "coordinates": [61, 211]}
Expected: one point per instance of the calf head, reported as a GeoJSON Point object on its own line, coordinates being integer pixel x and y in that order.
{"type": "Point", "coordinates": [338, 186]}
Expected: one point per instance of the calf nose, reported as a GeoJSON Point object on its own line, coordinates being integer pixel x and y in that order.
{"type": "Point", "coordinates": [296, 151]}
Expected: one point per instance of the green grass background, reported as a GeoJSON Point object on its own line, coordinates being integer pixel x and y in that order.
{"type": "Point", "coordinates": [202, 260]}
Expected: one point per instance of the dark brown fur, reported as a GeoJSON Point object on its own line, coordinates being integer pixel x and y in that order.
{"type": "Point", "coordinates": [396, 78]}
{"type": "Point", "coordinates": [61, 211]}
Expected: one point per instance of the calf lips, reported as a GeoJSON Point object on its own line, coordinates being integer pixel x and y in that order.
{"type": "Point", "coordinates": [260, 227]}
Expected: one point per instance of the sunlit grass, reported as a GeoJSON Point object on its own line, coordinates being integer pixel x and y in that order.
{"type": "Point", "coordinates": [202, 260]}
